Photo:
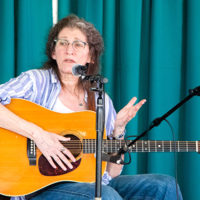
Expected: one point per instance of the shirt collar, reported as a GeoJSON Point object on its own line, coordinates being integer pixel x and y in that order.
{"type": "Point", "coordinates": [54, 78]}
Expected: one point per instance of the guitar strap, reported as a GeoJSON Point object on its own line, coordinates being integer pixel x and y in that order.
{"type": "Point", "coordinates": [31, 151]}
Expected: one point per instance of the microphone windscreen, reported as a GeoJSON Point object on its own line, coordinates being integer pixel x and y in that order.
{"type": "Point", "coordinates": [75, 70]}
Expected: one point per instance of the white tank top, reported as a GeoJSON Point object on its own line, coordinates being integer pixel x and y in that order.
{"type": "Point", "coordinates": [60, 107]}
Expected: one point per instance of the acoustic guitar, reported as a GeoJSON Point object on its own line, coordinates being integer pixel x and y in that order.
{"type": "Point", "coordinates": [18, 177]}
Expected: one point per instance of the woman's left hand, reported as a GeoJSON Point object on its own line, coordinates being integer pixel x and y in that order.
{"type": "Point", "coordinates": [122, 118]}
{"type": "Point", "coordinates": [126, 114]}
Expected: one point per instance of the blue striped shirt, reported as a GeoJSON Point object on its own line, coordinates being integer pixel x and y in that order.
{"type": "Point", "coordinates": [42, 86]}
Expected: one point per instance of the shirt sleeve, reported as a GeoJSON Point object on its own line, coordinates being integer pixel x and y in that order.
{"type": "Point", "coordinates": [110, 115]}
{"type": "Point", "coordinates": [19, 87]}
{"type": "Point", "coordinates": [106, 178]}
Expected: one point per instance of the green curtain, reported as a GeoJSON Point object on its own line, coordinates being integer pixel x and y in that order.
{"type": "Point", "coordinates": [151, 51]}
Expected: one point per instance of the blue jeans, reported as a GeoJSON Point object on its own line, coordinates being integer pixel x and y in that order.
{"type": "Point", "coordinates": [136, 187]}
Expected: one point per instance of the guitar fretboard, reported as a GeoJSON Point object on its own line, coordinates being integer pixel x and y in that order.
{"type": "Point", "coordinates": [112, 146]}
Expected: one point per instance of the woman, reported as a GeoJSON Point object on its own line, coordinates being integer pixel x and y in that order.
{"type": "Point", "coordinates": [74, 41]}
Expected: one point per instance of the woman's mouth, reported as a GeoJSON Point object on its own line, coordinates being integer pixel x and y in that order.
{"type": "Point", "coordinates": [69, 61]}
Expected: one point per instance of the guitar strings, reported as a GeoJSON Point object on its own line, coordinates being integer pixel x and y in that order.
{"type": "Point", "coordinates": [162, 146]}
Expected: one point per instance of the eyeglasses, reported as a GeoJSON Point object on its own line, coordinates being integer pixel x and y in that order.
{"type": "Point", "coordinates": [77, 44]}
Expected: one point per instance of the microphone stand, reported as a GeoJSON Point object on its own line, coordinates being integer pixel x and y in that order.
{"type": "Point", "coordinates": [157, 121]}
{"type": "Point", "coordinates": [100, 123]}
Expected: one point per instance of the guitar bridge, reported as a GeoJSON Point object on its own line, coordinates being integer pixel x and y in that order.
{"type": "Point", "coordinates": [31, 152]}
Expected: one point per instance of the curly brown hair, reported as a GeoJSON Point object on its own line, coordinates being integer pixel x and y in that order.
{"type": "Point", "coordinates": [94, 41]}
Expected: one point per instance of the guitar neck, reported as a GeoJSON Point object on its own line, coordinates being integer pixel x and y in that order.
{"type": "Point", "coordinates": [112, 146]}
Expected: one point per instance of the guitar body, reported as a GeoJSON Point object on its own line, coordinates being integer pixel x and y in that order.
{"type": "Point", "coordinates": [17, 177]}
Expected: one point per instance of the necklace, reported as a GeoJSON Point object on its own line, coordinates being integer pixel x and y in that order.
{"type": "Point", "coordinates": [81, 103]}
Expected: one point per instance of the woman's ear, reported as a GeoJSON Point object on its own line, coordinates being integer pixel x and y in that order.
{"type": "Point", "coordinates": [53, 55]}
{"type": "Point", "coordinates": [88, 59]}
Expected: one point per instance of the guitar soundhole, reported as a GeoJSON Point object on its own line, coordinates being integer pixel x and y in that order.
{"type": "Point", "coordinates": [75, 146]}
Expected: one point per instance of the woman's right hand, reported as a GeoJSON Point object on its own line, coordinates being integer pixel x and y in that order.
{"type": "Point", "coordinates": [48, 143]}
{"type": "Point", "coordinates": [50, 146]}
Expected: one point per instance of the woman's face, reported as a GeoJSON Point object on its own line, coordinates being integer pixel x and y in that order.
{"type": "Point", "coordinates": [71, 48]}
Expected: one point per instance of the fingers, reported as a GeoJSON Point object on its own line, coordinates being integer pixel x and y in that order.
{"type": "Point", "coordinates": [127, 113]}
{"type": "Point", "coordinates": [51, 147]}
{"type": "Point", "coordinates": [50, 160]}
{"type": "Point", "coordinates": [69, 154]}
{"type": "Point", "coordinates": [62, 138]}
{"type": "Point", "coordinates": [139, 105]}
{"type": "Point", "coordinates": [131, 102]}
{"type": "Point", "coordinates": [134, 109]}
{"type": "Point", "coordinates": [59, 157]}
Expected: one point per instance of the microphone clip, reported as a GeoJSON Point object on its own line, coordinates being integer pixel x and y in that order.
{"type": "Point", "coordinates": [95, 78]}
{"type": "Point", "coordinates": [195, 91]}
{"type": "Point", "coordinates": [117, 158]}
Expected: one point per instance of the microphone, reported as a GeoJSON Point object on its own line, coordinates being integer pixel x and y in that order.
{"type": "Point", "coordinates": [79, 70]}
{"type": "Point", "coordinates": [117, 159]}
{"type": "Point", "coordinates": [113, 158]}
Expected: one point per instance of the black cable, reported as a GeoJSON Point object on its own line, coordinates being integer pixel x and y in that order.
{"type": "Point", "coordinates": [121, 151]}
